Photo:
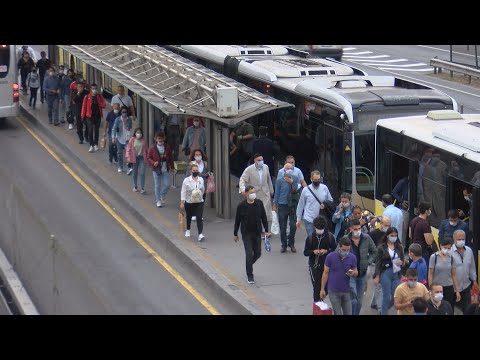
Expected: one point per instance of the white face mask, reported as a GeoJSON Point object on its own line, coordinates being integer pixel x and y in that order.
{"type": "Point", "coordinates": [438, 297]}
{"type": "Point", "coordinates": [252, 196]}
{"type": "Point", "coordinates": [384, 228]}
{"type": "Point", "coordinates": [356, 233]}
{"type": "Point", "coordinates": [198, 158]}
{"type": "Point", "coordinates": [320, 231]}
{"type": "Point", "coordinates": [392, 238]}
{"type": "Point", "coordinates": [138, 135]}
{"type": "Point", "coordinates": [460, 243]}
{"type": "Point", "coordinates": [116, 111]}
{"type": "Point", "coordinates": [445, 251]}
{"type": "Point", "coordinates": [453, 223]}
{"type": "Point", "coordinates": [466, 198]}
{"type": "Point", "coordinates": [428, 212]}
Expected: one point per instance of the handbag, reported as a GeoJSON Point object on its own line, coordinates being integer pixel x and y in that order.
{"type": "Point", "coordinates": [210, 183]}
{"type": "Point", "coordinates": [182, 219]}
{"type": "Point", "coordinates": [102, 142]}
{"type": "Point", "coordinates": [275, 228]}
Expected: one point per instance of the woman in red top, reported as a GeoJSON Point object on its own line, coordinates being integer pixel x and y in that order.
{"type": "Point", "coordinates": [159, 158]}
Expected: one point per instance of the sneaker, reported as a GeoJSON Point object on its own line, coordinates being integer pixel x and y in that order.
{"type": "Point", "coordinates": [70, 126]}
{"type": "Point", "coordinates": [119, 170]}
{"type": "Point", "coordinates": [163, 201]}
{"type": "Point", "coordinates": [250, 279]}
{"type": "Point", "coordinates": [194, 218]}
{"type": "Point", "coordinates": [159, 203]}
{"type": "Point", "coordinates": [187, 233]}
{"type": "Point", "coordinates": [110, 162]}
{"type": "Point", "coordinates": [80, 142]}
{"type": "Point", "coordinates": [95, 148]}
{"type": "Point", "coordinates": [201, 237]}
{"type": "Point", "coordinates": [62, 121]}
{"type": "Point", "coordinates": [142, 191]}
{"type": "Point", "coordinates": [292, 248]}
{"type": "Point", "coordinates": [283, 249]}
{"type": "Point", "coordinates": [91, 149]}
{"type": "Point", "coordinates": [129, 171]}
{"type": "Point", "coordinates": [135, 189]}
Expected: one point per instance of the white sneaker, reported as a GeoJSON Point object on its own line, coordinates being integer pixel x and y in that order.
{"type": "Point", "coordinates": [194, 218]}
{"type": "Point", "coordinates": [159, 203]}
{"type": "Point", "coordinates": [91, 149]}
{"type": "Point", "coordinates": [135, 189]}
{"type": "Point", "coordinates": [70, 126]}
{"type": "Point", "coordinates": [95, 148]}
{"type": "Point", "coordinates": [119, 170]}
{"type": "Point", "coordinates": [187, 233]}
{"type": "Point", "coordinates": [142, 191]}
{"type": "Point", "coordinates": [201, 237]}
{"type": "Point", "coordinates": [163, 201]}
{"type": "Point", "coordinates": [129, 171]}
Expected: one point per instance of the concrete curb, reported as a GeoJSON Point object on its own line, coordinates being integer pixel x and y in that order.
{"type": "Point", "coordinates": [15, 287]}
{"type": "Point", "coordinates": [219, 284]}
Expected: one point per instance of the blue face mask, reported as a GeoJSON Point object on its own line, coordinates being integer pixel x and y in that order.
{"type": "Point", "coordinates": [344, 253]}
{"type": "Point", "coordinates": [290, 172]}
{"type": "Point", "coordinates": [260, 163]}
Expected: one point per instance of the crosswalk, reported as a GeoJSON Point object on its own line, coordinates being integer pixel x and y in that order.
{"type": "Point", "coordinates": [382, 61]}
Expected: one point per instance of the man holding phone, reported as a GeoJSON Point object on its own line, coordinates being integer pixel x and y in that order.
{"type": "Point", "coordinates": [340, 266]}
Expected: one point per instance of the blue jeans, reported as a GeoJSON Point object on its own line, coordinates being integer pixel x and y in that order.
{"type": "Point", "coordinates": [161, 184]}
{"type": "Point", "coordinates": [120, 148]}
{"type": "Point", "coordinates": [357, 285]}
{"type": "Point", "coordinates": [52, 102]}
{"type": "Point", "coordinates": [309, 227]}
{"type": "Point", "coordinates": [64, 108]}
{"type": "Point", "coordinates": [341, 303]}
{"type": "Point", "coordinates": [284, 214]}
{"type": "Point", "coordinates": [139, 169]}
{"type": "Point", "coordinates": [389, 282]}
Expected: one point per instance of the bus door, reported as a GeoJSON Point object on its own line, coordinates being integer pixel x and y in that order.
{"type": "Point", "coordinates": [455, 200]}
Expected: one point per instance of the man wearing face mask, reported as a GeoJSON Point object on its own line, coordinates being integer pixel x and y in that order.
{"type": "Point", "coordinates": [43, 65]}
{"type": "Point", "coordinates": [468, 196]}
{"type": "Point", "coordinates": [342, 216]}
{"type": "Point", "coordinates": [364, 250]}
{"type": "Point", "coordinates": [284, 188]}
{"type": "Point", "coordinates": [466, 272]}
{"type": "Point", "coordinates": [195, 138]}
{"type": "Point", "coordinates": [52, 89]}
{"type": "Point", "coordinates": [65, 83]}
{"type": "Point", "coordinates": [317, 247]}
{"type": "Point", "coordinates": [449, 226]}
{"type": "Point", "coordinates": [109, 121]}
{"type": "Point", "coordinates": [340, 266]}
{"type": "Point", "coordinates": [77, 97]}
{"type": "Point", "coordinates": [251, 216]}
{"type": "Point", "coordinates": [395, 215]}
{"type": "Point", "coordinates": [121, 136]}
{"type": "Point", "coordinates": [92, 110]}
{"type": "Point", "coordinates": [258, 175]}
{"type": "Point", "coordinates": [436, 305]}
{"type": "Point", "coordinates": [312, 201]}
{"type": "Point", "coordinates": [408, 291]}
{"type": "Point", "coordinates": [415, 253]}
{"type": "Point", "coordinates": [421, 233]}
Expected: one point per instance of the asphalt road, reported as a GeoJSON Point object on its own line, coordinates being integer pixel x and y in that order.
{"type": "Point", "coordinates": [122, 277]}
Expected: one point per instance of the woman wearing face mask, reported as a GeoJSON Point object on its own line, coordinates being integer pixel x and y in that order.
{"type": "Point", "coordinates": [442, 270]}
{"type": "Point", "coordinates": [317, 246]}
{"type": "Point", "coordinates": [198, 157]}
{"type": "Point", "coordinates": [136, 155]}
{"type": "Point", "coordinates": [388, 263]}
{"type": "Point", "coordinates": [121, 135]}
{"type": "Point", "coordinates": [191, 200]}
{"type": "Point", "coordinates": [342, 216]}
{"type": "Point", "coordinates": [33, 82]}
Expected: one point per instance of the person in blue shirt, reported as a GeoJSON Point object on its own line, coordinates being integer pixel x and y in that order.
{"type": "Point", "coordinates": [448, 226]}
{"type": "Point", "coordinates": [400, 193]}
{"type": "Point", "coordinates": [284, 187]}
{"type": "Point", "coordinates": [418, 262]}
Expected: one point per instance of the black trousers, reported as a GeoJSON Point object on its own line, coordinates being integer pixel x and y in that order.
{"type": "Point", "coordinates": [466, 298]}
{"type": "Point", "coordinates": [33, 96]}
{"type": "Point", "coordinates": [449, 295]}
{"type": "Point", "coordinates": [253, 250]}
{"type": "Point", "coordinates": [42, 92]}
{"type": "Point", "coordinates": [173, 139]}
{"type": "Point", "coordinates": [195, 209]}
{"type": "Point", "coordinates": [316, 277]}
{"type": "Point", "coordinates": [93, 130]}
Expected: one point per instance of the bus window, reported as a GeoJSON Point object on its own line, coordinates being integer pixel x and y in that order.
{"type": "Point", "coordinates": [365, 156]}
{"type": "Point", "coordinates": [4, 61]}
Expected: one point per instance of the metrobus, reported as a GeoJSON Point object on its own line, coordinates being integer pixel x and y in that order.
{"type": "Point", "coordinates": [332, 127]}
{"type": "Point", "coordinates": [440, 155]}
{"type": "Point", "coordinates": [9, 90]}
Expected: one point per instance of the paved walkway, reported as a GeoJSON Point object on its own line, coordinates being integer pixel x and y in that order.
{"type": "Point", "coordinates": [282, 282]}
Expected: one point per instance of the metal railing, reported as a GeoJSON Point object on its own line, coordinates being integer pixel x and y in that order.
{"type": "Point", "coordinates": [447, 65]}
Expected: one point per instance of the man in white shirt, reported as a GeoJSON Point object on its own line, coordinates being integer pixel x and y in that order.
{"type": "Point", "coordinates": [124, 100]}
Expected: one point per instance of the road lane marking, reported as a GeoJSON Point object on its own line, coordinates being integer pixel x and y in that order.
{"type": "Point", "coordinates": [127, 227]}
{"type": "Point", "coordinates": [445, 50]}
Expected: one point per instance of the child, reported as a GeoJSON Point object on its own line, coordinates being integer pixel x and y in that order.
{"type": "Point", "coordinates": [33, 82]}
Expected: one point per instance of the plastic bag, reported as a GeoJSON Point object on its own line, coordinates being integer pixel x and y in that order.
{"type": "Point", "coordinates": [275, 225]}
{"type": "Point", "coordinates": [103, 141]}
{"type": "Point", "coordinates": [210, 183]}
{"type": "Point", "coordinates": [322, 308]}
{"type": "Point", "coordinates": [182, 220]}
{"type": "Point", "coordinates": [268, 245]}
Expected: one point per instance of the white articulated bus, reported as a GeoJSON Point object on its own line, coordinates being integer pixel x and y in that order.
{"type": "Point", "coordinates": [9, 90]}
{"type": "Point", "coordinates": [439, 154]}
{"type": "Point", "coordinates": [337, 106]}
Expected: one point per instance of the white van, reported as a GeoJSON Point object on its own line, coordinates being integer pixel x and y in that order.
{"type": "Point", "coordinates": [9, 90]}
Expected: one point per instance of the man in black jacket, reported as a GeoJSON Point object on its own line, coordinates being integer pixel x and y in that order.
{"type": "Point", "coordinates": [251, 215]}
{"type": "Point", "coordinates": [317, 246]}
